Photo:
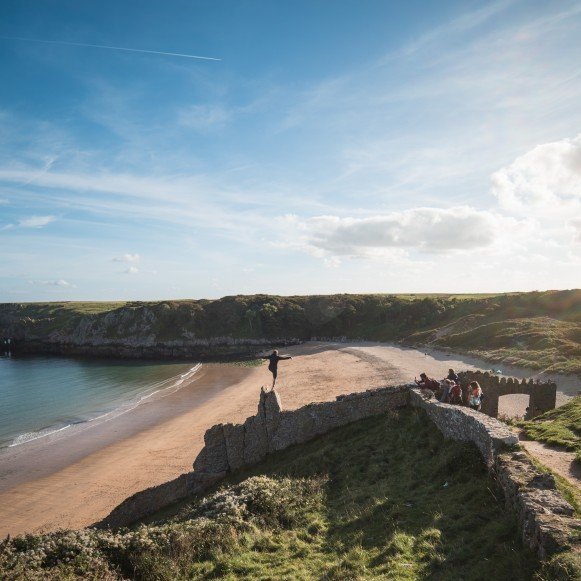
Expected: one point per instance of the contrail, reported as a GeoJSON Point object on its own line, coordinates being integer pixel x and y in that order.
{"type": "Point", "coordinates": [83, 44]}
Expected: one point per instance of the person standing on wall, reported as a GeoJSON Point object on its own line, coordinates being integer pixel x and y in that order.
{"type": "Point", "coordinates": [273, 359]}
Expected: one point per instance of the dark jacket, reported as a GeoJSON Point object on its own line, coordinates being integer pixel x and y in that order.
{"type": "Point", "coordinates": [274, 359]}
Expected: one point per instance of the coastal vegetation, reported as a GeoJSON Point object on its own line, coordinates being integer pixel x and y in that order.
{"type": "Point", "coordinates": [381, 498]}
{"type": "Point", "coordinates": [540, 330]}
{"type": "Point", "coordinates": [560, 427]}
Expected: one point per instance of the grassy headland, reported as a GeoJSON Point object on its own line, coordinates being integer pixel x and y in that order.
{"type": "Point", "coordinates": [541, 330]}
{"type": "Point", "coordinates": [386, 498]}
{"type": "Point", "coordinates": [561, 427]}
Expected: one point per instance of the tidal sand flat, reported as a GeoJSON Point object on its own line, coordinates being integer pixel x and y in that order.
{"type": "Point", "coordinates": [73, 482]}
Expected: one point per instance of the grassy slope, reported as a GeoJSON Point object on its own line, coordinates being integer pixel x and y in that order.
{"type": "Point", "coordinates": [383, 498]}
{"type": "Point", "coordinates": [561, 427]}
{"type": "Point", "coordinates": [538, 330]}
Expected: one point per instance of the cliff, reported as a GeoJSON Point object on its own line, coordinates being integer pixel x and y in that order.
{"type": "Point", "coordinates": [541, 330]}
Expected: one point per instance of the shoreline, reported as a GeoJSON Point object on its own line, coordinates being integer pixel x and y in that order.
{"type": "Point", "coordinates": [46, 455]}
{"type": "Point", "coordinates": [74, 482]}
{"type": "Point", "coordinates": [87, 418]}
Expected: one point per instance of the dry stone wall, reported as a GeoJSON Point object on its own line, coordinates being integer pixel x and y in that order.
{"type": "Point", "coordinates": [545, 518]}
{"type": "Point", "coordinates": [229, 447]}
{"type": "Point", "coordinates": [461, 423]}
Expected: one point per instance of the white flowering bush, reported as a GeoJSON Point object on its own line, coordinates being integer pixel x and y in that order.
{"type": "Point", "coordinates": [261, 499]}
{"type": "Point", "coordinates": [212, 526]}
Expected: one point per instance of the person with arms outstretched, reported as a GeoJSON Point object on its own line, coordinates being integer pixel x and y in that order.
{"type": "Point", "coordinates": [273, 359]}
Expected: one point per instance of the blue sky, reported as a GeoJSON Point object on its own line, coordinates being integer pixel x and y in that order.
{"type": "Point", "coordinates": [337, 146]}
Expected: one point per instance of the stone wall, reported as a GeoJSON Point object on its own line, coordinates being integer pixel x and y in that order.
{"type": "Point", "coordinates": [231, 446]}
{"type": "Point", "coordinates": [543, 395]}
{"type": "Point", "coordinates": [461, 423]}
{"type": "Point", "coordinates": [151, 500]}
{"type": "Point", "coordinates": [545, 518]}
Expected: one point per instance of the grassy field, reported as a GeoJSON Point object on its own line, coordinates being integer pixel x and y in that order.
{"type": "Point", "coordinates": [561, 427]}
{"type": "Point", "coordinates": [384, 498]}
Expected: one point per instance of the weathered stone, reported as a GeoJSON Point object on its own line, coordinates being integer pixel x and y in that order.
{"type": "Point", "coordinates": [465, 424]}
{"type": "Point", "coordinates": [270, 409]}
{"type": "Point", "coordinates": [543, 480]}
{"type": "Point", "coordinates": [543, 396]}
{"type": "Point", "coordinates": [145, 502]}
{"type": "Point", "coordinates": [234, 441]}
{"type": "Point", "coordinates": [213, 457]}
{"type": "Point", "coordinates": [272, 429]}
{"type": "Point", "coordinates": [255, 440]}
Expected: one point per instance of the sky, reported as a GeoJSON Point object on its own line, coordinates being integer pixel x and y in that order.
{"type": "Point", "coordinates": [334, 146]}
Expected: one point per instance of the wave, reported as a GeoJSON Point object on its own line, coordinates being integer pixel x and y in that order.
{"type": "Point", "coordinates": [30, 436]}
{"type": "Point", "coordinates": [159, 389]}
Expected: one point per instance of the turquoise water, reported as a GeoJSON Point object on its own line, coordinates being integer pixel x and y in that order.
{"type": "Point", "coordinates": [40, 396]}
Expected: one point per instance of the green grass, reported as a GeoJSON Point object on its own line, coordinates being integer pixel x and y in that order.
{"type": "Point", "coordinates": [383, 498]}
{"type": "Point", "coordinates": [537, 342]}
{"type": "Point", "coordinates": [560, 427]}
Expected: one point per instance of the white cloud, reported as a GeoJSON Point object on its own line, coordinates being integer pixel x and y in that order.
{"type": "Point", "coordinates": [428, 230]}
{"type": "Point", "coordinates": [575, 227]}
{"type": "Point", "coordinates": [545, 180]}
{"type": "Point", "coordinates": [131, 270]}
{"type": "Point", "coordinates": [60, 282]}
{"type": "Point", "coordinates": [134, 258]}
{"type": "Point", "coordinates": [35, 221]}
{"type": "Point", "coordinates": [32, 222]}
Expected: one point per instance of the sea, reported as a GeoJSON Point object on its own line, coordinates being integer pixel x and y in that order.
{"type": "Point", "coordinates": [41, 396]}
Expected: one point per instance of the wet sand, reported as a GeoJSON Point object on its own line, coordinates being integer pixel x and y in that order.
{"type": "Point", "coordinates": [72, 482]}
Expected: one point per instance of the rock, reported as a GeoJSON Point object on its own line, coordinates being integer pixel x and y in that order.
{"type": "Point", "coordinates": [213, 457]}
{"type": "Point", "coordinates": [543, 481]}
{"type": "Point", "coordinates": [234, 441]}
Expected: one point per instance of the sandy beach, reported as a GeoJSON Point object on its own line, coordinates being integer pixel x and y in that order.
{"type": "Point", "coordinates": [73, 482]}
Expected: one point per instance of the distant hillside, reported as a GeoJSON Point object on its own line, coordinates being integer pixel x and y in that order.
{"type": "Point", "coordinates": [538, 329]}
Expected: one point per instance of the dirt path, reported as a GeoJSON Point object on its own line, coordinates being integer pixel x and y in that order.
{"type": "Point", "coordinates": [556, 458]}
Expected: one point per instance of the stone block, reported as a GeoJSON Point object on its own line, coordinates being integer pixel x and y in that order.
{"type": "Point", "coordinates": [234, 442]}
{"type": "Point", "coordinates": [213, 457]}
{"type": "Point", "coordinates": [255, 440]}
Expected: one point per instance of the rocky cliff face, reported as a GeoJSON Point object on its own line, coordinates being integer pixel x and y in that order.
{"type": "Point", "coordinates": [147, 330]}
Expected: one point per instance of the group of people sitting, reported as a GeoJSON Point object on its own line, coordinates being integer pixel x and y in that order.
{"type": "Point", "coordinates": [450, 391]}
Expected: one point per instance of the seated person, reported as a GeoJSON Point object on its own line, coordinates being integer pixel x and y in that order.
{"type": "Point", "coordinates": [446, 388]}
{"type": "Point", "coordinates": [453, 376]}
{"type": "Point", "coordinates": [455, 396]}
{"type": "Point", "coordinates": [427, 382]}
{"type": "Point", "coordinates": [475, 395]}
